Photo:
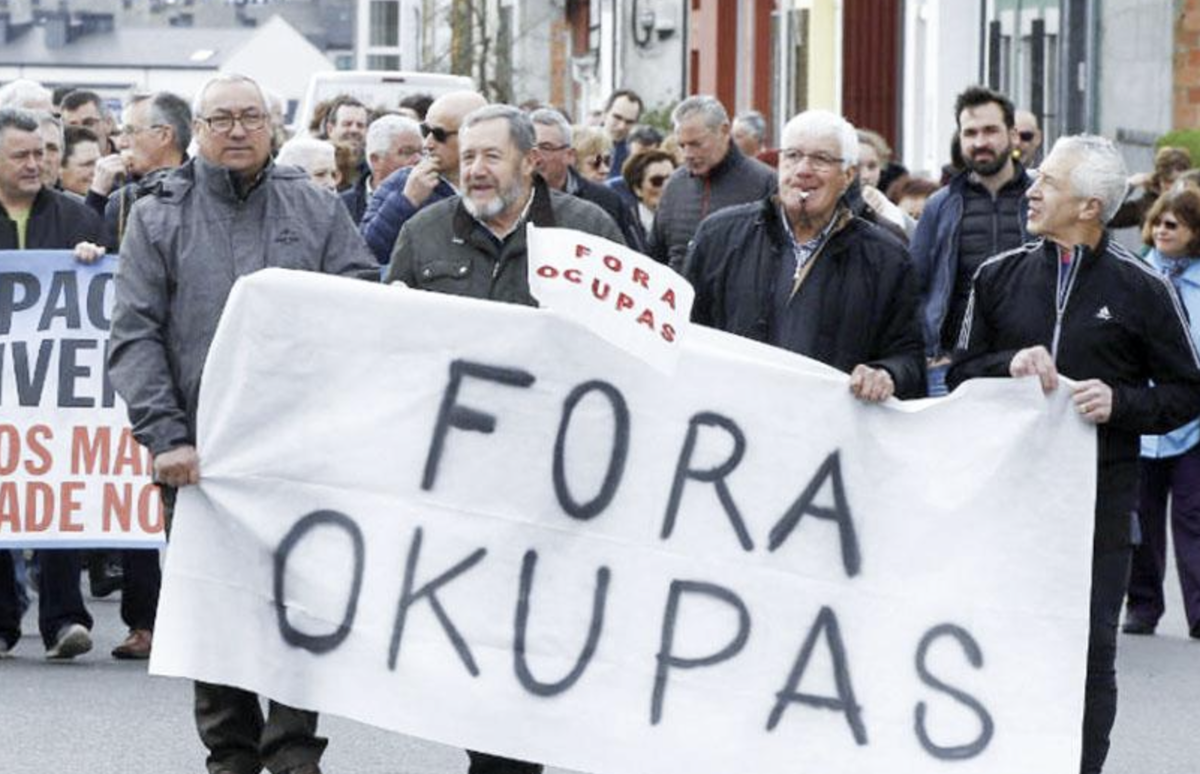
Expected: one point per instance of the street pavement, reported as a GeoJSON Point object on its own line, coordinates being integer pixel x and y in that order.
{"type": "Point", "coordinates": [101, 716]}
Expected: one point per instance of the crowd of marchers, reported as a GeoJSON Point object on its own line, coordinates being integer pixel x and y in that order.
{"type": "Point", "coordinates": [823, 245]}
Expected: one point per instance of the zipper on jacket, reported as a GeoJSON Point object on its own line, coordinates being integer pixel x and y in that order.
{"type": "Point", "coordinates": [1060, 303]}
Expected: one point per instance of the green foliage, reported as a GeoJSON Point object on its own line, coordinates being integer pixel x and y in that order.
{"type": "Point", "coordinates": [659, 117]}
{"type": "Point", "coordinates": [1182, 138]}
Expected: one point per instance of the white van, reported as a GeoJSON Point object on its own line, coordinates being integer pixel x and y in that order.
{"type": "Point", "coordinates": [374, 88]}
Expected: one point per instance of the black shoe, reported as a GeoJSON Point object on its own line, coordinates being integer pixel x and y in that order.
{"type": "Point", "coordinates": [1195, 632]}
{"type": "Point", "coordinates": [1138, 626]}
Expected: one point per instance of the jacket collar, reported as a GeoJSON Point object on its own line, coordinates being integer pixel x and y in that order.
{"type": "Point", "coordinates": [733, 158]}
{"type": "Point", "coordinates": [224, 184]}
{"type": "Point", "coordinates": [777, 226]}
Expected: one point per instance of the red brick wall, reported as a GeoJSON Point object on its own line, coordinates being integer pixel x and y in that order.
{"type": "Point", "coordinates": [1187, 66]}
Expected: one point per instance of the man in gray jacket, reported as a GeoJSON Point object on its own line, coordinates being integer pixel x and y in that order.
{"type": "Point", "coordinates": [474, 244]}
{"type": "Point", "coordinates": [714, 175]}
{"type": "Point", "coordinates": [227, 213]}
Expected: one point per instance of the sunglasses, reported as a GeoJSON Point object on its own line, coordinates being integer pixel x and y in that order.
{"type": "Point", "coordinates": [656, 181]}
{"type": "Point", "coordinates": [600, 160]}
{"type": "Point", "coordinates": [1026, 136]}
{"type": "Point", "coordinates": [1169, 225]}
{"type": "Point", "coordinates": [438, 133]}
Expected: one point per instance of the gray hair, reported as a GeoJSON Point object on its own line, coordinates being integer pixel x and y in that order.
{"type": "Point", "coordinates": [823, 123]}
{"type": "Point", "coordinates": [167, 109]}
{"type": "Point", "coordinates": [703, 105]}
{"type": "Point", "coordinates": [301, 151]}
{"type": "Point", "coordinates": [551, 117]}
{"type": "Point", "coordinates": [18, 118]}
{"type": "Point", "coordinates": [384, 130]}
{"type": "Point", "coordinates": [1100, 173]}
{"type": "Point", "coordinates": [520, 128]}
{"type": "Point", "coordinates": [23, 92]}
{"type": "Point", "coordinates": [754, 121]}
{"type": "Point", "coordinates": [198, 102]}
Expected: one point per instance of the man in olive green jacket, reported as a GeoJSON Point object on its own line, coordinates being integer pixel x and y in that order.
{"type": "Point", "coordinates": [474, 244]}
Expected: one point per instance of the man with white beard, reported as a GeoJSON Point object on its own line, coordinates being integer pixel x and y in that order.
{"type": "Point", "coordinates": [473, 244]}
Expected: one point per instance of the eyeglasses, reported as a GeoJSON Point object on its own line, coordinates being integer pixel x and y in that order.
{"type": "Point", "coordinates": [1169, 225]}
{"type": "Point", "coordinates": [438, 133]}
{"type": "Point", "coordinates": [1026, 136]}
{"type": "Point", "coordinates": [656, 181]}
{"type": "Point", "coordinates": [223, 124]}
{"type": "Point", "coordinates": [546, 147]}
{"type": "Point", "coordinates": [820, 161]}
{"type": "Point", "coordinates": [599, 160]}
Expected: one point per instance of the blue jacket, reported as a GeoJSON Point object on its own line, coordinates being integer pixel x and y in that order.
{"type": "Point", "coordinates": [1184, 438]}
{"type": "Point", "coordinates": [389, 209]}
{"type": "Point", "coordinates": [934, 250]}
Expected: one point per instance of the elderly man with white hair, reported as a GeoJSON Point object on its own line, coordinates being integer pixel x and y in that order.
{"type": "Point", "coordinates": [1077, 303]}
{"type": "Point", "coordinates": [27, 95]}
{"type": "Point", "coordinates": [799, 270]}
{"type": "Point", "coordinates": [393, 142]}
{"type": "Point", "coordinates": [316, 157]}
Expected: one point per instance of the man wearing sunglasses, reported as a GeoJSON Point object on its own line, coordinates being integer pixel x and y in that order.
{"type": "Point", "coordinates": [556, 164]}
{"type": "Point", "coordinates": [1029, 139]}
{"type": "Point", "coordinates": [434, 178]}
{"type": "Point", "coordinates": [224, 214]}
{"type": "Point", "coordinates": [800, 271]}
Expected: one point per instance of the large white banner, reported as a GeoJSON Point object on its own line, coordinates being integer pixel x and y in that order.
{"type": "Point", "coordinates": [71, 473]}
{"type": "Point", "coordinates": [479, 524]}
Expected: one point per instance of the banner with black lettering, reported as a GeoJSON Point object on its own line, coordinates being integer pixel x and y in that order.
{"type": "Point", "coordinates": [71, 473]}
{"type": "Point", "coordinates": [480, 524]}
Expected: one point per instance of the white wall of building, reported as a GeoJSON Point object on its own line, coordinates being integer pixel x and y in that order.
{"type": "Point", "coordinates": [941, 58]}
{"type": "Point", "coordinates": [1136, 49]}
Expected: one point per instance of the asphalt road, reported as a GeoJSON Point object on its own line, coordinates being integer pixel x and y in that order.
{"type": "Point", "coordinates": [101, 716]}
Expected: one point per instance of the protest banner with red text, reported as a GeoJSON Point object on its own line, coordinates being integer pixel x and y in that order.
{"type": "Point", "coordinates": [71, 473]}
{"type": "Point", "coordinates": [626, 298]}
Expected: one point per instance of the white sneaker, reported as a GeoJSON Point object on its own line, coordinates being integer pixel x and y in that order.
{"type": "Point", "coordinates": [73, 640]}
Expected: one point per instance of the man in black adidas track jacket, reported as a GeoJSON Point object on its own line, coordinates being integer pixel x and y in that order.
{"type": "Point", "coordinates": [1079, 304]}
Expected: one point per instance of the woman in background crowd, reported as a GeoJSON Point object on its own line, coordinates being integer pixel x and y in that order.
{"type": "Point", "coordinates": [593, 149]}
{"type": "Point", "coordinates": [1169, 163]}
{"type": "Point", "coordinates": [1170, 463]}
{"type": "Point", "coordinates": [646, 174]}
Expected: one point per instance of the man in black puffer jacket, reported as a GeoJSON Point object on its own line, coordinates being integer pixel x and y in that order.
{"type": "Point", "coordinates": [801, 272]}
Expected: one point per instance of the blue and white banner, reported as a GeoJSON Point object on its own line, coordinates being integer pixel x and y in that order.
{"type": "Point", "coordinates": [71, 473]}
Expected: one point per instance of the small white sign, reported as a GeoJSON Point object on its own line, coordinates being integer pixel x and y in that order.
{"type": "Point", "coordinates": [624, 297]}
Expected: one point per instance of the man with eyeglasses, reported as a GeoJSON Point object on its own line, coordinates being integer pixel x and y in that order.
{"type": "Point", "coordinates": [224, 214]}
{"type": "Point", "coordinates": [714, 175]}
{"type": "Point", "coordinates": [981, 212]}
{"type": "Point", "coordinates": [86, 109]}
{"type": "Point", "coordinates": [800, 271]}
{"type": "Point", "coordinates": [393, 142]}
{"type": "Point", "coordinates": [555, 162]}
{"type": "Point", "coordinates": [434, 178]}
